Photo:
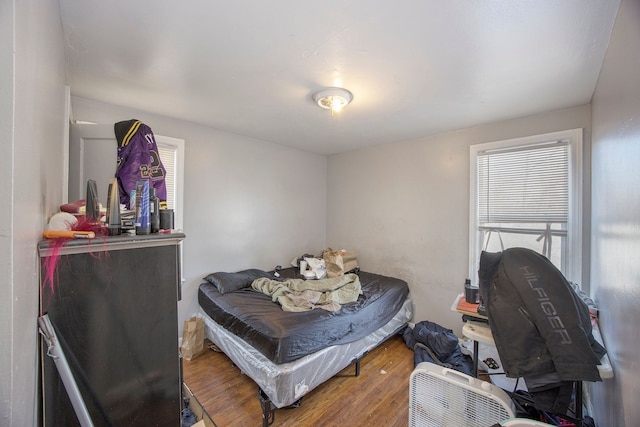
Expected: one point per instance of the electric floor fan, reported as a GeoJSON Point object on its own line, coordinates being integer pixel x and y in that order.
{"type": "Point", "coordinates": [442, 397]}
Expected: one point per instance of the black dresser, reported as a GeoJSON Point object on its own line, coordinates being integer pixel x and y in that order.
{"type": "Point", "coordinates": [113, 306]}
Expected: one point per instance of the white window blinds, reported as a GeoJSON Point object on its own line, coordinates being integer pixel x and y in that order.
{"type": "Point", "coordinates": [527, 184]}
{"type": "Point", "coordinates": [168, 157]}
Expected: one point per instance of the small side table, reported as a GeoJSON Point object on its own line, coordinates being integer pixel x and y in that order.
{"type": "Point", "coordinates": [479, 333]}
{"type": "Point", "coordinates": [475, 326]}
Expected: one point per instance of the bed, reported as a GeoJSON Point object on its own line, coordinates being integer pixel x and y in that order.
{"type": "Point", "coordinates": [288, 354]}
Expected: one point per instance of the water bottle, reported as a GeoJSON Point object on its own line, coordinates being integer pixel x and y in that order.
{"type": "Point", "coordinates": [154, 211]}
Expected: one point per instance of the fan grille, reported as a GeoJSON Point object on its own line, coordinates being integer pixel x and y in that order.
{"type": "Point", "coordinates": [438, 402]}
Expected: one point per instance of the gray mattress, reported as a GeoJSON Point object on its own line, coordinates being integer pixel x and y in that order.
{"type": "Point", "coordinates": [285, 336]}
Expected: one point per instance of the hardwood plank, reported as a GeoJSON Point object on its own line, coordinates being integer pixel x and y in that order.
{"type": "Point", "coordinates": [379, 396]}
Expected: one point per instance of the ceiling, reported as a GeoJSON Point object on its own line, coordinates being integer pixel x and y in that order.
{"type": "Point", "coordinates": [415, 67]}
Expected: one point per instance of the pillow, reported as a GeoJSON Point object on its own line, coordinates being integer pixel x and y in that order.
{"type": "Point", "coordinates": [229, 282]}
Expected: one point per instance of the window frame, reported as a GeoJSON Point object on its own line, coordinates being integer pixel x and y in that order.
{"type": "Point", "coordinates": [177, 145]}
{"type": "Point", "coordinates": [572, 259]}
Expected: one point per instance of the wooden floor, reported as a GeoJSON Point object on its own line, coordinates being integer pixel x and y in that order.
{"type": "Point", "coordinates": [378, 397]}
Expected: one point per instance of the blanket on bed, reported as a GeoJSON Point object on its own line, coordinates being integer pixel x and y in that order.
{"type": "Point", "coordinates": [305, 295]}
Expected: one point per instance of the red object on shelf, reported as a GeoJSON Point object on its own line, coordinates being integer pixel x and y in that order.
{"type": "Point", "coordinates": [463, 305]}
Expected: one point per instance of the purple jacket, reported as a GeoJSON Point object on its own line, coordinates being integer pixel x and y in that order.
{"type": "Point", "coordinates": [138, 159]}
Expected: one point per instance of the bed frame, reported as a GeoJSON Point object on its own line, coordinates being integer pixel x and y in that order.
{"type": "Point", "coordinates": [285, 384]}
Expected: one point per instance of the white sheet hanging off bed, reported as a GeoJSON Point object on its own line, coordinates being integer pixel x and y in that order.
{"type": "Point", "coordinates": [285, 383]}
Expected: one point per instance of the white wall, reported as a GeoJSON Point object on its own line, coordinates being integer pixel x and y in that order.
{"type": "Point", "coordinates": [616, 218]}
{"type": "Point", "coordinates": [404, 207]}
{"type": "Point", "coordinates": [32, 126]}
{"type": "Point", "coordinates": [247, 203]}
{"type": "Point", "coordinates": [7, 60]}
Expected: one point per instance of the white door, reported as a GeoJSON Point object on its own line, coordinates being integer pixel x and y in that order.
{"type": "Point", "coordinates": [92, 155]}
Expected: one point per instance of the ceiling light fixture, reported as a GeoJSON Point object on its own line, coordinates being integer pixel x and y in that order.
{"type": "Point", "coordinates": [333, 99]}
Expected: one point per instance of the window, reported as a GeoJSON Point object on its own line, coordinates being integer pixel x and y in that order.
{"type": "Point", "coordinates": [171, 151]}
{"type": "Point", "coordinates": [527, 192]}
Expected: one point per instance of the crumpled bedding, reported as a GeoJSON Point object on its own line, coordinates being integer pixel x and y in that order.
{"type": "Point", "coordinates": [297, 295]}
